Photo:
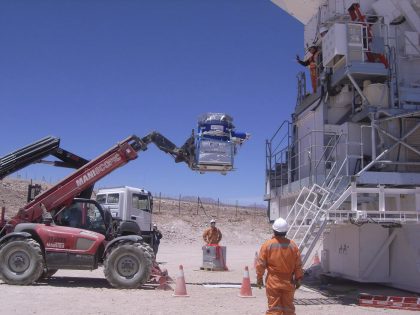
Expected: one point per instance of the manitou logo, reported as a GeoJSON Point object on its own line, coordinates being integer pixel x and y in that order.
{"type": "Point", "coordinates": [98, 169]}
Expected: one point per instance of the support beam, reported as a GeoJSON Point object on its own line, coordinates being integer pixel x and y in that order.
{"type": "Point", "coordinates": [401, 140]}
{"type": "Point", "coordinates": [356, 86]}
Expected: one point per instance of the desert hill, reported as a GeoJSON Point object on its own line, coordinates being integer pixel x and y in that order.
{"type": "Point", "coordinates": [179, 221]}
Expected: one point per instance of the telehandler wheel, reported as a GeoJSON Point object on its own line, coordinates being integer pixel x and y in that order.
{"type": "Point", "coordinates": [48, 273]}
{"type": "Point", "coordinates": [128, 266]}
{"type": "Point", "coordinates": [21, 262]}
{"type": "Point", "coordinates": [149, 250]}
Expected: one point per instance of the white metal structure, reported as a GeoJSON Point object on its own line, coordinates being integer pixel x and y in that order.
{"type": "Point", "coordinates": [345, 172]}
{"type": "Point", "coordinates": [128, 204]}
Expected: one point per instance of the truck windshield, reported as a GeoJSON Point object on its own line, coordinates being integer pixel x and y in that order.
{"type": "Point", "coordinates": [101, 199]}
{"type": "Point", "coordinates": [108, 199]}
{"type": "Point", "coordinates": [141, 202]}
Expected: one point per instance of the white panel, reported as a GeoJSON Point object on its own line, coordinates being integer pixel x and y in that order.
{"type": "Point", "coordinates": [412, 47]}
{"type": "Point", "coordinates": [387, 9]}
{"type": "Point", "coordinates": [334, 44]}
{"type": "Point", "coordinates": [412, 17]}
{"type": "Point", "coordinates": [351, 250]}
{"type": "Point", "coordinates": [310, 31]}
{"type": "Point", "coordinates": [372, 237]}
{"type": "Point", "coordinates": [405, 258]}
{"type": "Point", "coordinates": [342, 246]}
{"type": "Point", "coordinates": [302, 10]}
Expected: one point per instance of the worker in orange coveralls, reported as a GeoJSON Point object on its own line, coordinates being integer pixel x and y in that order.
{"type": "Point", "coordinates": [281, 257]}
{"type": "Point", "coordinates": [311, 62]}
{"type": "Point", "coordinates": [212, 235]}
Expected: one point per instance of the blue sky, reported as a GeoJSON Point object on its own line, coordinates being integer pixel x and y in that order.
{"type": "Point", "coordinates": [94, 72]}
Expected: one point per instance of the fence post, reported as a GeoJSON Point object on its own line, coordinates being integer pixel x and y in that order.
{"type": "Point", "coordinates": [160, 200]}
{"type": "Point", "coordinates": [179, 204]}
{"type": "Point", "coordinates": [218, 207]}
{"type": "Point", "coordinates": [198, 203]}
{"type": "Point", "coordinates": [236, 212]}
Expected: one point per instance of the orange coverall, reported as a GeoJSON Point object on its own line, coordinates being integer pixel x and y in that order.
{"type": "Point", "coordinates": [212, 235]}
{"type": "Point", "coordinates": [281, 257]}
{"type": "Point", "coordinates": [311, 62]}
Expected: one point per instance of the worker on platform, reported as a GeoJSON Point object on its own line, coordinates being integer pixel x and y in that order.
{"type": "Point", "coordinates": [157, 235]}
{"type": "Point", "coordinates": [212, 235]}
{"type": "Point", "coordinates": [281, 258]}
{"type": "Point", "coordinates": [312, 63]}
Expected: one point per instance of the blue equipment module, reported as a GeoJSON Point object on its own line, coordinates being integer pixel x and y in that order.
{"type": "Point", "coordinates": [216, 143]}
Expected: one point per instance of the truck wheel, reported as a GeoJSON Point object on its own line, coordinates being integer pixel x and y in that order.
{"type": "Point", "coordinates": [21, 262]}
{"type": "Point", "coordinates": [128, 266]}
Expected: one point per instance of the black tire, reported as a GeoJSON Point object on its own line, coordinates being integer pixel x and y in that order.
{"type": "Point", "coordinates": [149, 250]}
{"type": "Point", "coordinates": [128, 265]}
{"type": "Point", "coordinates": [21, 262]}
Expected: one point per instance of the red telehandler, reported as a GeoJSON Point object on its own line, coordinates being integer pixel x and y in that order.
{"type": "Point", "coordinates": [40, 238]}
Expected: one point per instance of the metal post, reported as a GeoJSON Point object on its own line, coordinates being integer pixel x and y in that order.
{"type": "Point", "coordinates": [3, 212]}
{"type": "Point", "coordinates": [198, 204]}
{"type": "Point", "coordinates": [381, 198]}
{"type": "Point", "coordinates": [160, 199]}
{"type": "Point", "coordinates": [255, 211]}
{"type": "Point", "coordinates": [353, 197]}
{"type": "Point", "coordinates": [417, 198]}
{"type": "Point", "coordinates": [236, 212]}
{"type": "Point", "coordinates": [218, 207]}
{"type": "Point", "coordinates": [179, 204]}
{"type": "Point", "coordinates": [299, 165]}
{"type": "Point", "coordinates": [373, 141]}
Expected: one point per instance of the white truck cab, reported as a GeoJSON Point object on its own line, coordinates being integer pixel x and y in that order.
{"type": "Point", "coordinates": [128, 204]}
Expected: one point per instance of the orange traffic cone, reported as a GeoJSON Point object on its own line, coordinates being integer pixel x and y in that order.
{"type": "Point", "coordinates": [180, 289]}
{"type": "Point", "coordinates": [163, 284]}
{"type": "Point", "coordinates": [316, 261]}
{"type": "Point", "coordinates": [246, 291]}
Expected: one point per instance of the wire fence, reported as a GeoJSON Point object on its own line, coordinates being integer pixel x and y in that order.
{"type": "Point", "coordinates": [207, 206]}
{"type": "Point", "coordinates": [210, 207]}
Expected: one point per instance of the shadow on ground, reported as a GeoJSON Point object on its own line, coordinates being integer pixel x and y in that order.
{"type": "Point", "coordinates": [83, 282]}
{"type": "Point", "coordinates": [342, 291]}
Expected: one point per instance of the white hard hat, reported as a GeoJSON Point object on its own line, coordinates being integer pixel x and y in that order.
{"type": "Point", "coordinates": [280, 225]}
{"type": "Point", "coordinates": [154, 225]}
{"type": "Point", "coordinates": [213, 221]}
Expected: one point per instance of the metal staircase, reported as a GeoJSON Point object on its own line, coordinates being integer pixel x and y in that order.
{"type": "Point", "coordinates": [308, 216]}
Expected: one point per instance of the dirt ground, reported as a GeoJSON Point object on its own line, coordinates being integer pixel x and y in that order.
{"type": "Point", "coordinates": [85, 292]}
{"type": "Point", "coordinates": [244, 229]}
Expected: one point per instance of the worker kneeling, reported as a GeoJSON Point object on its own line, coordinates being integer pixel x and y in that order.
{"type": "Point", "coordinates": [281, 257]}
